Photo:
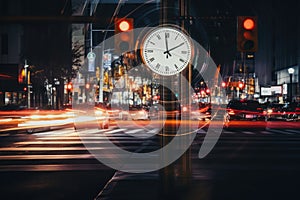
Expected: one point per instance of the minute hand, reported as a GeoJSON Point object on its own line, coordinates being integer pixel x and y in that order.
{"type": "Point", "coordinates": [174, 48]}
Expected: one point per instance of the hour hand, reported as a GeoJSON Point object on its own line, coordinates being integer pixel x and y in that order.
{"type": "Point", "coordinates": [167, 48]}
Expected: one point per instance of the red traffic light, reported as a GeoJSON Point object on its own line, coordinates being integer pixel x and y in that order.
{"type": "Point", "coordinates": [241, 85]}
{"type": "Point", "coordinates": [247, 34]}
{"type": "Point", "coordinates": [124, 25]}
{"type": "Point", "coordinates": [249, 24]}
{"type": "Point", "coordinates": [124, 37]}
{"type": "Point", "coordinates": [69, 86]}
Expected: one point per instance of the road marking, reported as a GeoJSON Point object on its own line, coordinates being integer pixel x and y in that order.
{"type": "Point", "coordinates": [58, 132]}
{"type": "Point", "coordinates": [293, 131]}
{"type": "Point", "coordinates": [46, 157]}
{"type": "Point", "coordinates": [248, 132]}
{"type": "Point", "coordinates": [266, 132]}
{"type": "Point", "coordinates": [55, 167]}
{"type": "Point", "coordinates": [116, 131]}
{"type": "Point", "coordinates": [280, 132]}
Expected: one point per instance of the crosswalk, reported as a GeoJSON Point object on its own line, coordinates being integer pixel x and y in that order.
{"type": "Point", "coordinates": [66, 149]}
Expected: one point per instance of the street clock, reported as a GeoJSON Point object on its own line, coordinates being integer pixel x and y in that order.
{"type": "Point", "coordinates": [166, 50]}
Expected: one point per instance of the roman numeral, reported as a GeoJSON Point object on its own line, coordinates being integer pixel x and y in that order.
{"type": "Point", "coordinates": [181, 60]}
{"type": "Point", "coordinates": [151, 59]}
{"type": "Point", "coordinates": [176, 37]}
{"type": "Point", "coordinates": [157, 65]}
{"type": "Point", "coordinates": [184, 52]}
{"type": "Point", "coordinates": [158, 37]}
{"type": "Point", "coordinates": [149, 51]}
{"type": "Point", "coordinates": [176, 66]}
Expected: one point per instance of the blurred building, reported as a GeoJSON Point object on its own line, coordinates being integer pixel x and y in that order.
{"type": "Point", "coordinates": [33, 31]}
{"type": "Point", "coordinates": [11, 39]}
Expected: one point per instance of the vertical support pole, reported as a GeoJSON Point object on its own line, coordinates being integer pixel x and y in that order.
{"type": "Point", "coordinates": [168, 173]}
{"type": "Point", "coordinates": [177, 175]}
{"type": "Point", "coordinates": [291, 88]}
{"type": "Point", "coordinates": [27, 84]}
{"type": "Point", "coordinates": [185, 159]}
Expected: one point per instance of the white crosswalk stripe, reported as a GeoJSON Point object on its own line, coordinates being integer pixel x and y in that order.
{"type": "Point", "coordinates": [285, 131]}
{"type": "Point", "coordinates": [65, 144]}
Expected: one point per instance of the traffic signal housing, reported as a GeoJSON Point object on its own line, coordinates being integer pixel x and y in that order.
{"type": "Point", "coordinates": [247, 40]}
{"type": "Point", "coordinates": [124, 38]}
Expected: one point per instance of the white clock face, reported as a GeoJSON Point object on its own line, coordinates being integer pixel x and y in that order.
{"type": "Point", "coordinates": [166, 51]}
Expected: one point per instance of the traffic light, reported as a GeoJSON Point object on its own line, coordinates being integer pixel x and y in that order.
{"type": "Point", "coordinates": [69, 86]}
{"type": "Point", "coordinates": [224, 84]}
{"type": "Point", "coordinates": [241, 85]}
{"type": "Point", "coordinates": [124, 37]}
{"type": "Point", "coordinates": [247, 34]}
{"type": "Point", "coordinates": [21, 76]}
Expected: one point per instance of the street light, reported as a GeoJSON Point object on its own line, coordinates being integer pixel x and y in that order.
{"type": "Point", "coordinates": [291, 72]}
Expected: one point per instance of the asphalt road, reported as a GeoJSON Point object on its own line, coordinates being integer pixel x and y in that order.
{"type": "Point", "coordinates": [245, 164]}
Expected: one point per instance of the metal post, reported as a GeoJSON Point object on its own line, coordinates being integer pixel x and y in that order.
{"type": "Point", "coordinates": [186, 165]}
{"type": "Point", "coordinates": [168, 173]}
{"type": "Point", "coordinates": [291, 72]}
{"type": "Point", "coordinates": [27, 85]}
{"type": "Point", "coordinates": [291, 88]}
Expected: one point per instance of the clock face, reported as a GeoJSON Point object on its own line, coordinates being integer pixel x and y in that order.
{"type": "Point", "coordinates": [166, 51]}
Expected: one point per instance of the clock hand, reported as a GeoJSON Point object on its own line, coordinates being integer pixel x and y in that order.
{"type": "Point", "coordinates": [167, 48]}
{"type": "Point", "coordinates": [174, 48]}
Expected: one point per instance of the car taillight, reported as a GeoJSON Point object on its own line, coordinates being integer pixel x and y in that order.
{"type": "Point", "coordinates": [270, 111]}
{"type": "Point", "coordinates": [264, 112]}
{"type": "Point", "coordinates": [231, 112]}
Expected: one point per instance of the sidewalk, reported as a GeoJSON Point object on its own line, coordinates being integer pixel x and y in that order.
{"type": "Point", "coordinates": [131, 186]}
{"type": "Point", "coordinates": [148, 186]}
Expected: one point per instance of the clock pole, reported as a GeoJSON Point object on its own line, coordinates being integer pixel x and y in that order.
{"type": "Point", "coordinates": [185, 85]}
{"type": "Point", "coordinates": [168, 173]}
{"type": "Point", "coordinates": [176, 176]}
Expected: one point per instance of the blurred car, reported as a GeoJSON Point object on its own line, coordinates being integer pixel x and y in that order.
{"type": "Point", "coordinates": [11, 115]}
{"type": "Point", "coordinates": [134, 113]}
{"type": "Point", "coordinates": [113, 112]}
{"type": "Point", "coordinates": [274, 111]}
{"type": "Point", "coordinates": [291, 111]}
{"type": "Point", "coordinates": [39, 120]}
{"type": "Point", "coordinates": [245, 114]}
{"type": "Point", "coordinates": [102, 115]}
{"type": "Point", "coordinates": [87, 116]}
{"type": "Point", "coordinates": [201, 111]}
